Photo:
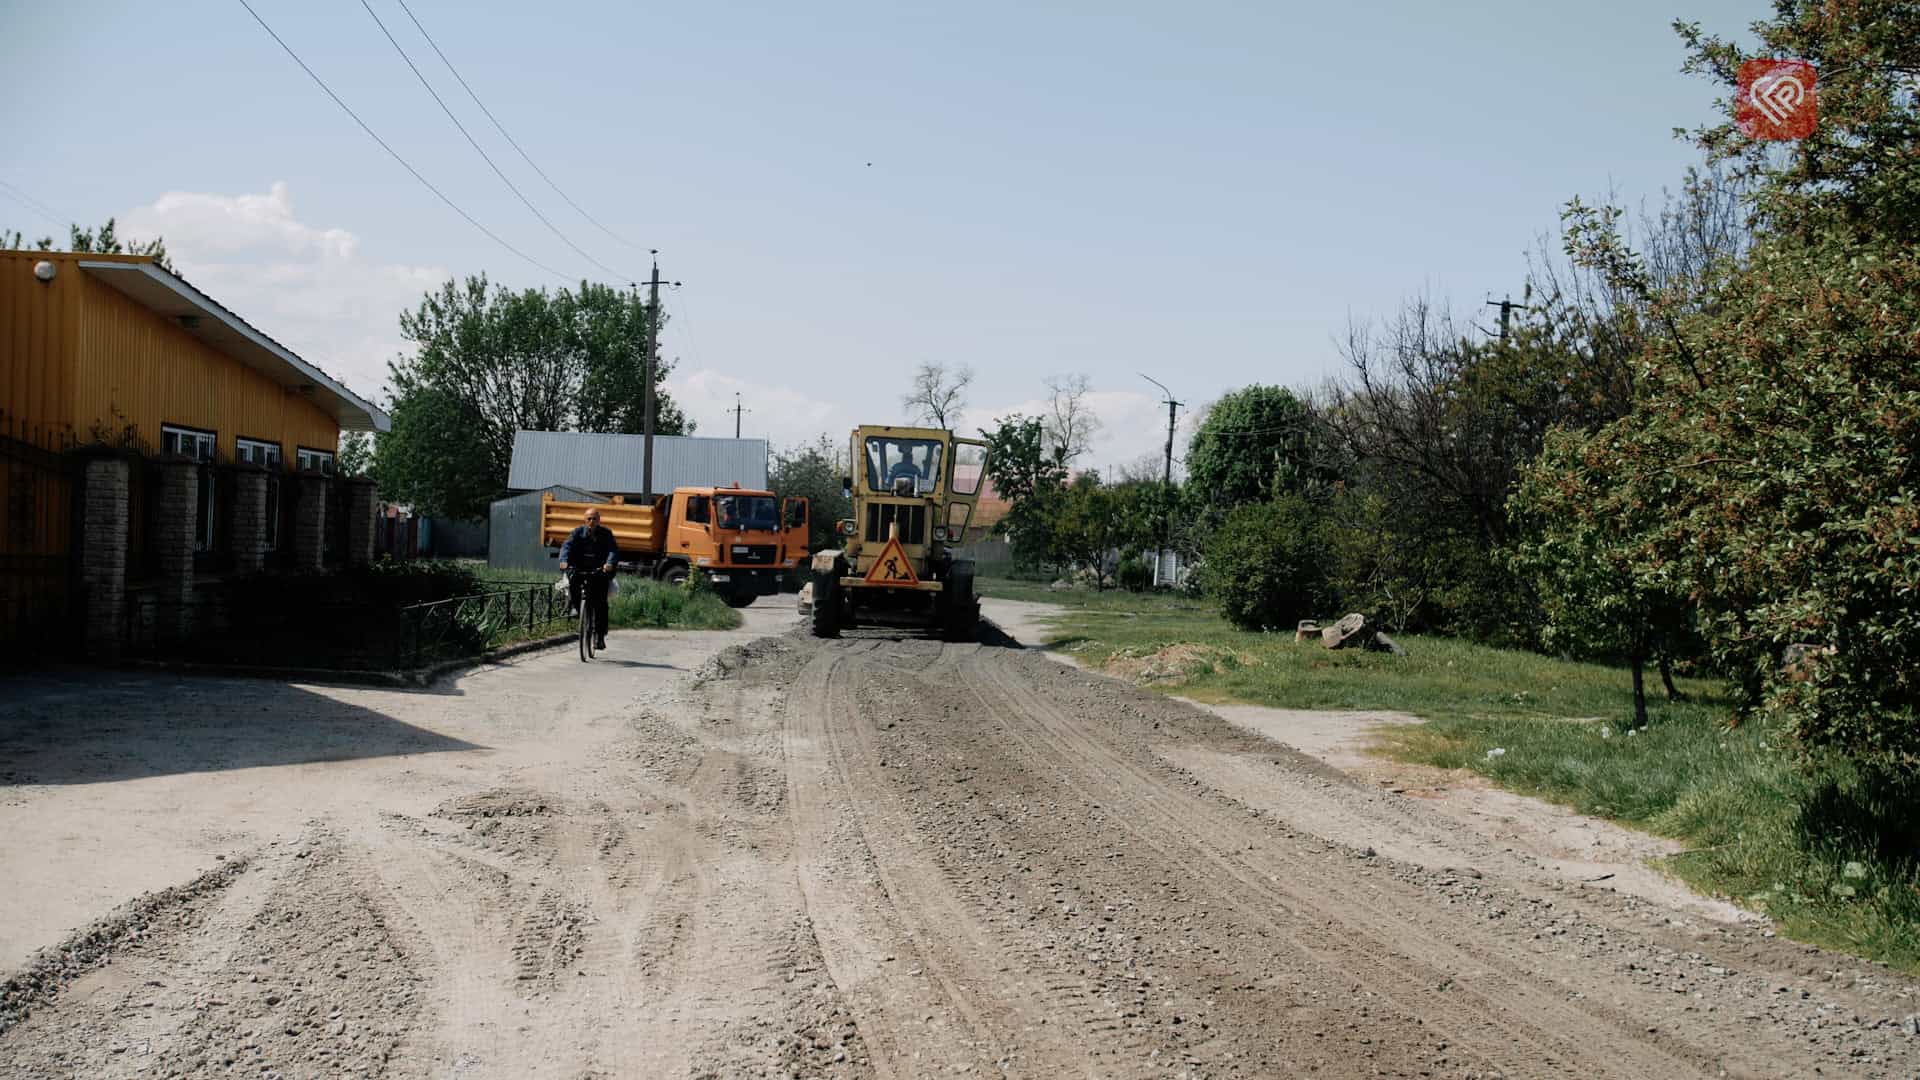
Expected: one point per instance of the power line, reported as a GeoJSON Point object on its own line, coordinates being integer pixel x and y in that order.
{"type": "Point", "coordinates": [34, 204]}
{"type": "Point", "coordinates": [501, 128]}
{"type": "Point", "coordinates": [484, 156]}
{"type": "Point", "coordinates": [455, 207]}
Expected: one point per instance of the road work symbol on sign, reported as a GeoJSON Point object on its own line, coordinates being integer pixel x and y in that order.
{"type": "Point", "coordinates": [892, 567]}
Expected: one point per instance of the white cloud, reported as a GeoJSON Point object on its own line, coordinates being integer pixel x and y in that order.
{"type": "Point", "coordinates": [304, 286]}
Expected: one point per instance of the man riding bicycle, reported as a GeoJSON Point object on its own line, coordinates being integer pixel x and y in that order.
{"type": "Point", "coordinates": [590, 549]}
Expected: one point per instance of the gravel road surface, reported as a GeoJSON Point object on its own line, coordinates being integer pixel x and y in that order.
{"type": "Point", "coordinates": [759, 854]}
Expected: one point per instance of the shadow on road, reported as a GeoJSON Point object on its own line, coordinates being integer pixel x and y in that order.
{"type": "Point", "coordinates": [104, 726]}
{"type": "Point", "coordinates": [637, 664]}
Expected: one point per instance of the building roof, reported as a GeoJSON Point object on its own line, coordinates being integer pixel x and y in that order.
{"type": "Point", "coordinates": [167, 294]}
{"type": "Point", "coordinates": [613, 464]}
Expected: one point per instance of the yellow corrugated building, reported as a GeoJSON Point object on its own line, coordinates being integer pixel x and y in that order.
{"type": "Point", "coordinates": [94, 344]}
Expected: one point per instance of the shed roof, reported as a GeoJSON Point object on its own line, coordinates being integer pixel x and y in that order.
{"type": "Point", "coordinates": [613, 464]}
{"type": "Point", "coordinates": [194, 311]}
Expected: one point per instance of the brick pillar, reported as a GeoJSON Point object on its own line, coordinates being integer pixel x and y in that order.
{"type": "Point", "coordinates": [173, 528]}
{"type": "Point", "coordinates": [248, 529]}
{"type": "Point", "coordinates": [362, 505]}
{"type": "Point", "coordinates": [310, 521]}
{"type": "Point", "coordinates": [103, 555]}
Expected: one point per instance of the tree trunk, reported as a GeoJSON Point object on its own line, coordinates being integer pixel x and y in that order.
{"type": "Point", "coordinates": [1639, 691]}
{"type": "Point", "coordinates": [1666, 679]}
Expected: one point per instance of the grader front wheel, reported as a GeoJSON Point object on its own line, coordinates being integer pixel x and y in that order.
{"type": "Point", "coordinates": [826, 607]}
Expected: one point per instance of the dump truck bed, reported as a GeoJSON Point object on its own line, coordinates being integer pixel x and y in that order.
{"type": "Point", "coordinates": [638, 528]}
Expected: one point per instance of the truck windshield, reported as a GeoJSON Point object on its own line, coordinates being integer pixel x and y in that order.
{"type": "Point", "coordinates": [747, 512]}
{"type": "Point", "coordinates": [890, 459]}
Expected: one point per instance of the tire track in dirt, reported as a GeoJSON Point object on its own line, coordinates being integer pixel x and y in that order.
{"type": "Point", "coordinates": [1498, 1020]}
{"type": "Point", "coordinates": [1587, 1020]}
{"type": "Point", "coordinates": [928, 984]}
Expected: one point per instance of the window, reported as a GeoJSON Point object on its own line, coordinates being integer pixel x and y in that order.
{"type": "Point", "coordinates": [268, 455]}
{"type": "Point", "coordinates": [320, 460]}
{"type": "Point", "coordinates": [893, 460]}
{"type": "Point", "coordinates": [186, 442]}
{"type": "Point", "coordinates": [969, 467]}
{"type": "Point", "coordinates": [697, 508]}
{"type": "Point", "coordinates": [751, 512]}
{"type": "Point", "coordinates": [197, 445]}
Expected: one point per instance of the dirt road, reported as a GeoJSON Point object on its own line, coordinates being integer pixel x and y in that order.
{"type": "Point", "coordinates": [869, 857]}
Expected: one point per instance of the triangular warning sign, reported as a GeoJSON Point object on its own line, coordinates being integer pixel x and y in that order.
{"type": "Point", "coordinates": [892, 567]}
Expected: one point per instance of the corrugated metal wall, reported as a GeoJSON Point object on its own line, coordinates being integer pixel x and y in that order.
{"type": "Point", "coordinates": [37, 340]}
{"type": "Point", "coordinates": [134, 364]}
{"type": "Point", "coordinates": [614, 464]}
{"type": "Point", "coordinates": [513, 530]}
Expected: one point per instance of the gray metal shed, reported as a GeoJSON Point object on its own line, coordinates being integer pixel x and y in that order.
{"type": "Point", "coordinates": [613, 464]}
{"type": "Point", "coordinates": [513, 529]}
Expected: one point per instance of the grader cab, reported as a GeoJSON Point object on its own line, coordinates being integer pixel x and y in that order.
{"type": "Point", "coordinates": [914, 491]}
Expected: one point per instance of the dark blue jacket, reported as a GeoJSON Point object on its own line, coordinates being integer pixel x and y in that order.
{"type": "Point", "coordinates": [586, 548]}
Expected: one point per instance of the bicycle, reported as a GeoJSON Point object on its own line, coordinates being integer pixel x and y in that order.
{"type": "Point", "coordinates": [590, 628]}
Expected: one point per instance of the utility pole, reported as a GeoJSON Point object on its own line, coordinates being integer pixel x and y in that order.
{"type": "Point", "coordinates": [652, 362]}
{"type": "Point", "coordinates": [653, 345]}
{"type": "Point", "coordinates": [737, 410]}
{"type": "Point", "coordinates": [1507, 308]}
{"type": "Point", "coordinates": [1166, 485]}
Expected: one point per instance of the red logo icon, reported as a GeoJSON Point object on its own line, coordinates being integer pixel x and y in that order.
{"type": "Point", "coordinates": [1775, 99]}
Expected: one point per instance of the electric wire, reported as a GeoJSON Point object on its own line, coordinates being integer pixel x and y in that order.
{"type": "Point", "coordinates": [511, 141]}
{"type": "Point", "coordinates": [395, 154]}
{"type": "Point", "coordinates": [484, 156]}
{"type": "Point", "coordinates": [33, 204]}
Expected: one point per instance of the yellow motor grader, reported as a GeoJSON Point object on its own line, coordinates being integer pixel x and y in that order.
{"type": "Point", "coordinates": [913, 493]}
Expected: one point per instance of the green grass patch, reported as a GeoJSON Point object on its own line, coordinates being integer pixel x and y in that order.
{"type": "Point", "coordinates": [645, 604]}
{"type": "Point", "coordinates": [1831, 853]}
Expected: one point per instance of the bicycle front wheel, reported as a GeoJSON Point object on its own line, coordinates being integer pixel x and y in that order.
{"type": "Point", "coordinates": [586, 628]}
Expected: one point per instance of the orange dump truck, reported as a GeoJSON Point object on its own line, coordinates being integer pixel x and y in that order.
{"type": "Point", "coordinates": [742, 540]}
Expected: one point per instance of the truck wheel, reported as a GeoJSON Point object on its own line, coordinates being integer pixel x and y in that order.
{"type": "Point", "coordinates": [740, 599]}
{"type": "Point", "coordinates": [826, 608]}
{"type": "Point", "coordinates": [675, 575]}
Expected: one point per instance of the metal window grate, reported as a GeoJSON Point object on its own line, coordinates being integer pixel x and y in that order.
{"type": "Point", "coordinates": [912, 518]}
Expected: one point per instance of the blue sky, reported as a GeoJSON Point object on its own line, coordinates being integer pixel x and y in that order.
{"type": "Point", "coordinates": [1203, 194]}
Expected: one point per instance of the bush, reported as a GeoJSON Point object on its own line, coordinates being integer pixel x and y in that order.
{"type": "Point", "coordinates": [1134, 575]}
{"type": "Point", "coordinates": [1266, 564]}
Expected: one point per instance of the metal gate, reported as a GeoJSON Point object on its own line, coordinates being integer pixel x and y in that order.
{"type": "Point", "coordinates": [37, 567]}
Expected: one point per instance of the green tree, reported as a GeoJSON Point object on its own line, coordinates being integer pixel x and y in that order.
{"type": "Point", "coordinates": [1770, 448]}
{"type": "Point", "coordinates": [490, 362]}
{"type": "Point", "coordinates": [1254, 444]}
{"type": "Point", "coordinates": [1025, 473]}
{"type": "Point", "coordinates": [1266, 564]}
{"type": "Point", "coordinates": [1086, 527]}
{"type": "Point", "coordinates": [1585, 528]}
{"type": "Point", "coordinates": [1858, 170]}
{"type": "Point", "coordinates": [355, 457]}
{"type": "Point", "coordinates": [104, 240]}
{"type": "Point", "coordinates": [814, 471]}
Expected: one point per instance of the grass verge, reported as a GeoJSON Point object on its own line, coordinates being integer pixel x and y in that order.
{"type": "Point", "coordinates": [645, 604]}
{"type": "Point", "coordinates": [1831, 853]}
